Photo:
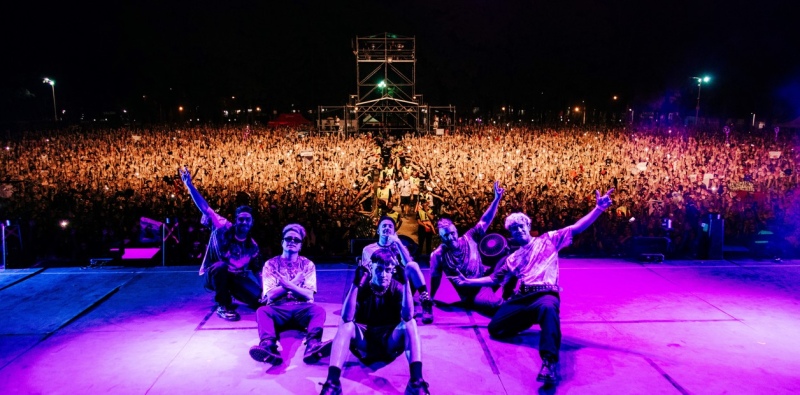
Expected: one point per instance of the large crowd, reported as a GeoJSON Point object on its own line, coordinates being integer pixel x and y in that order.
{"type": "Point", "coordinates": [75, 192]}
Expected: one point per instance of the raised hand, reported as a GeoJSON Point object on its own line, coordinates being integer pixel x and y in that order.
{"type": "Point", "coordinates": [604, 201]}
{"type": "Point", "coordinates": [361, 277]}
{"type": "Point", "coordinates": [186, 175]}
{"type": "Point", "coordinates": [498, 191]}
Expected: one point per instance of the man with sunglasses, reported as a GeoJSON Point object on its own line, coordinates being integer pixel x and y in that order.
{"type": "Point", "coordinates": [231, 256]}
{"type": "Point", "coordinates": [290, 282]}
{"type": "Point", "coordinates": [378, 323]}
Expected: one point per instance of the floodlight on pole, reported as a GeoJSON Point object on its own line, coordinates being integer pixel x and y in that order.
{"type": "Point", "coordinates": [53, 87]}
{"type": "Point", "coordinates": [700, 81]}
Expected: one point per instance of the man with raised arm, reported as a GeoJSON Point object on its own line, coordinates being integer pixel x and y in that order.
{"type": "Point", "coordinates": [231, 256]}
{"type": "Point", "coordinates": [537, 301]}
{"type": "Point", "coordinates": [460, 256]}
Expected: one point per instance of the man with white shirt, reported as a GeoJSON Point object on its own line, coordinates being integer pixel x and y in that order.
{"type": "Point", "coordinates": [535, 264]}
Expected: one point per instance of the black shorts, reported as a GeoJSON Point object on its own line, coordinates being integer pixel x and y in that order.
{"type": "Point", "coordinates": [377, 339]}
{"type": "Point", "coordinates": [405, 200]}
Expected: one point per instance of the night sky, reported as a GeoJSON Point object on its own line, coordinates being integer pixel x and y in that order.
{"type": "Point", "coordinates": [471, 53]}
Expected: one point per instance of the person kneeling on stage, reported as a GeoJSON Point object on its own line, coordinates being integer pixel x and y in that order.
{"type": "Point", "coordinates": [377, 323]}
{"type": "Point", "coordinates": [290, 282]}
{"type": "Point", "coordinates": [461, 255]}
{"type": "Point", "coordinates": [229, 265]}
{"type": "Point", "coordinates": [537, 300]}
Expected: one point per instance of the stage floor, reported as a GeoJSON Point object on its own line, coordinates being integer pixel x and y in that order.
{"type": "Point", "coordinates": [699, 327]}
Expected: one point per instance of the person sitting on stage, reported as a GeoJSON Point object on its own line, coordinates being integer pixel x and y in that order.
{"type": "Point", "coordinates": [387, 238]}
{"type": "Point", "coordinates": [290, 282]}
{"type": "Point", "coordinates": [231, 256]}
{"type": "Point", "coordinates": [537, 300]}
{"type": "Point", "coordinates": [377, 323]}
{"type": "Point", "coordinates": [460, 256]}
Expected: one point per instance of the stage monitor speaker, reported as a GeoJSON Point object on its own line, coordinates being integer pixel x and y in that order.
{"type": "Point", "coordinates": [141, 256]}
{"type": "Point", "coordinates": [651, 249]}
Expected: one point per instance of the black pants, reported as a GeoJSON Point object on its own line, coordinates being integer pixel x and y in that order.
{"type": "Point", "coordinates": [425, 238]}
{"type": "Point", "coordinates": [302, 316]}
{"type": "Point", "coordinates": [243, 286]}
{"type": "Point", "coordinates": [520, 313]}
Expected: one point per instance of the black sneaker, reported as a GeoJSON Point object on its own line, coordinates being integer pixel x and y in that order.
{"type": "Point", "coordinates": [227, 313]}
{"type": "Point", "coordinates": [548, 374]}
{"type": "Point", "coordinates": [417, 388]}
{"type": "Point", "coordinates": [316, 350]}
{"type": "Point", "coordinates": [266, 352]}
{"type": "Point", "coordinates": [427, 310]}
{"type": "Point", "coordinates": [330, 388]}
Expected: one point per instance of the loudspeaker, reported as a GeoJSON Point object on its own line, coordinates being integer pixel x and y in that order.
{"type": "Point", "coordinates": [357, 245]}
{"type": "Point", "coordinates": [716, 234]}
{"type": "Point", "coordinates": [492, 248]}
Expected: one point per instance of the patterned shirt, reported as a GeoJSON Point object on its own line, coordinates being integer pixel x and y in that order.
{"type": "Point", "coordinates": [366, 254]}
{"type": "Point", "coordinates": [464, 258]}
{"type": "Point", "coordinates": [223, 246]}
{"type": "Point", "coordinates": [284, 267]}
{"type": "Point", "coordinates": [536, 263]}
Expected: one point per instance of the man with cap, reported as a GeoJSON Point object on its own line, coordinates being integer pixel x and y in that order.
{"type": "Point", "coordinates": [231, 256]}
{"type": "Point", "coordinates": [290, 282]}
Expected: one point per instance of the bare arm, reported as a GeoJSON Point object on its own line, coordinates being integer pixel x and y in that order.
{"type": "Point", "coordinates": [488, 215]}
{"type": "Point", "coordinates": [603, 202]}
{"type": "Point", "coordinates": [473, 282]}
{"type": "Point", "coordinates": [198, 199]}
{"type": "Point", "coordinates": [349, 306]}
{"type": "Point", "coordinates": [294, 285]}
{"type": "Point", "coordinates": [407, 309]}
{"type": "Point", "coordinates": [398, 247]}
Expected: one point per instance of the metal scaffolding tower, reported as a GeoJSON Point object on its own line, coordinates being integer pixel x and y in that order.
{"type": "Point", "coordinates": [386, 98]}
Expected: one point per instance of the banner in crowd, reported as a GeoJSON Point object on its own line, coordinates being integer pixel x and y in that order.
{"type": "Point", "coordinates": [741, 186]}
{"type": "Point", "coordinates": [774, 154]}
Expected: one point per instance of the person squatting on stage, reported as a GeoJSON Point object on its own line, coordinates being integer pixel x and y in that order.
{"type": "Point", "coordinates": [290, 282]}
{"type": "Point", "coordinates": [377, 322]}
{"type": "Point", "coordinates": [537, 300]}
{"type": "Point", "coordinates": [460, 255]}
{"type": "Point", "coordinates": [231, 258]}
{"type": "Point", "coordinates": [387, 238]}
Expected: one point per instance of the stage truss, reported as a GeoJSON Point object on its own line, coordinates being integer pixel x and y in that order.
{"type": "Point", "coordinates": [386, 98]}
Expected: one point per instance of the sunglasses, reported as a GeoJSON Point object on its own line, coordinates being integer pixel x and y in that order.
{"type": "Point", "coordinates": [292, 240]}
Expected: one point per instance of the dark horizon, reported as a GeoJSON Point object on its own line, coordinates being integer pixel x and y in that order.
{"type": "Point", "coordinates": [470, 54]}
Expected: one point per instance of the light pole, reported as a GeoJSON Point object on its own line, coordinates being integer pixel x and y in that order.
{"type": "Point", "coordinates": [700, 81]}
{"type": "Point", "coordinates": [53, 86]}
